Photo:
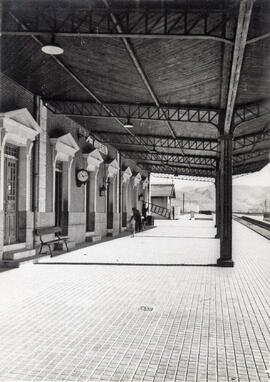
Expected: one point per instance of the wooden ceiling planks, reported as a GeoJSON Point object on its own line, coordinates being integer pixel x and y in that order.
{"type": "Point", "coordinates": [182, 72]}
{"type": "Point", "coordinates": [259, 22]}
{"type": "Point", "coordinates": [104, 66]}
{"type": "Point", "coordinates": [98, 124]}
{"type": "Point", "coordinates": [254, 81]}
{"type": "Point", "coordinates": [24, 62]}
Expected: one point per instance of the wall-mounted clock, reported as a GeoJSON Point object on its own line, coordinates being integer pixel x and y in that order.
{"type": "Point", "coordinates": [82, 175]}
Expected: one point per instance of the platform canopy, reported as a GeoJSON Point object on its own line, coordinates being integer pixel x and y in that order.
{"type": "Point", "coordinates": [182, 73]}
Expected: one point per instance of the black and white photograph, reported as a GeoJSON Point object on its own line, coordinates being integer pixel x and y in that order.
{"type": "Point", "coordinates": [135, 190]}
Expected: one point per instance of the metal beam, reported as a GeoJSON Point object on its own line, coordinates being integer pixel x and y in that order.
{"type": "Point", "coordinates": [165, 169]}
{"type": "Point", "coordinates": [246, 157]}
{"type": "Point", "coordinates": [198, 172]}
{"type": "Point", "coordinates": [174, 113]}
{"type": "Point", "coordinates": [135, 23]}
{"type": "Point", "coordinates": [250, 167]}
{"type": "Point", "coordinates": [250, 111]}
{"type": "Point", "coordinates": [136, 63]}
{"type": "Point", "coordinates": [154, 142]}
{"type": "Point", "coordinates": [165, 158]}
{"type": "Point", "coordinates": [208, 144]}
{"type": "Point", "coordinates": [238, 54]}
{"type": "Point", "coordinates": [194, 159]}
{"type": "Point", "coordinates": [72, 75]}
{"type": "Point", "coordinates": [122, 35]}
{"type": "Point", "coordinates": [258, 38]}
{"type": "Point", "coordinates": [251, 140]}
{"type": "Point", "coordinates": [183, 177]}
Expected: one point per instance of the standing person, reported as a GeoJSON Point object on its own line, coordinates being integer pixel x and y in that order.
{"type": "Point", "coordinates": [144, 211]}
{"type": "Point", "coordinates": [138, 220]}
{"type": "Point", "coordinates": [132, 226]}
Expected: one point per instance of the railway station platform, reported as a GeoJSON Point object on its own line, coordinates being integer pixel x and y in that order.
{"type": "Point", "coordinates": [150, 308]}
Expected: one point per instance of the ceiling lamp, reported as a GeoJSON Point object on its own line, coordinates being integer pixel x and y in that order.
{"type": "Point", "coordinates": [153, 150]}
{"type": "Point", "coordinates": [128, 124]}
{"type": "Point", "coordinates": [52, 48]}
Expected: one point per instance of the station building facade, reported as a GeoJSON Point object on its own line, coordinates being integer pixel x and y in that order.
{"type": "Point", "coordinates": [41, 182]}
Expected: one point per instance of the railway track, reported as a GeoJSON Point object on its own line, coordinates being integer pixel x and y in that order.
{"type": "Point", "coordinates": [261, 227]}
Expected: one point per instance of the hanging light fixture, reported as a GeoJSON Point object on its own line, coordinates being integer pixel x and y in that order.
{"type": "Point", "coordinates": [153, 150]}
{"type": "Point", "coordinates": [128, 124]}
{"type": "Point", "coordinates": [52, 48]}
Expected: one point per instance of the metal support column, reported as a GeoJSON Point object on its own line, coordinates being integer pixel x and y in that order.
{"type": "Point", "coordinates": [217, 188]}
{"type": "Point", "coordinates": [119, 185]}
{"type": "Point", "coordinates": [225, 259]}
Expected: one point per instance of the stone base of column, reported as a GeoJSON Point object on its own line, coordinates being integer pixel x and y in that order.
{"type": "Point", "coordinates": [225, 263]}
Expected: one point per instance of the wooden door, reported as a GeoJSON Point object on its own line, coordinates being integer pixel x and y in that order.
{"type": "Point", "coordinates": [87, 207]}
{"type": "Point", "coordinates": [109, 206]}
{"type": "Point", "coordinates": [11, 200]}
{"type": "Point", "coordinates": [58, 197]}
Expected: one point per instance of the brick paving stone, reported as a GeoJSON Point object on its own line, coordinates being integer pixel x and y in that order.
{"type": "Point", "coordinates": [72, 322]}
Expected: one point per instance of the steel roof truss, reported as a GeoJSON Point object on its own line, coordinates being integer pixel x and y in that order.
{"type": "Point", "coordinates": [241, 158]}
{"type": "Point", "coordinates": [163, 142]}
{"type": "Point", "coordinates": [172, 158]}
{"type": "Point", "coordinates": [134, 22]}
{"type": "Point", "coordinates": [134, 111]}
{"type": "Point", "coordinates": [251, 139]}
{"type": "Point", "coordinates": [251, 111]}
{"type": "Point", "coordinates": [249, 167]}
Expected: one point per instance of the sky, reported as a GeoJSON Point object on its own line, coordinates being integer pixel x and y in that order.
{"type": "Point", "coordinates": [259, 178]}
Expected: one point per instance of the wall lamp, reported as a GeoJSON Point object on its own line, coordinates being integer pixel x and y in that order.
{"type": "Point", "coordinates": [102, 190]}
{"type": "Point", "coordinates": [104, 187]}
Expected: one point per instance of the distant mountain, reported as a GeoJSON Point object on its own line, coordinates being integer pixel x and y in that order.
{"type": "Point", "coordinates": [251, 198]}
{"type": "Point", "coordinates": [245, 198]}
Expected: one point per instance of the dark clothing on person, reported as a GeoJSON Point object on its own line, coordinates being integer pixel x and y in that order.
{"type": "Point", "coordinates": [138, 220]}
{"type": "Point", "coordinates": [144, 211]}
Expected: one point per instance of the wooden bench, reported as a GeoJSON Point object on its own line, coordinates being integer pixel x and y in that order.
{"type": "Point", "coordinates": [47, 231]}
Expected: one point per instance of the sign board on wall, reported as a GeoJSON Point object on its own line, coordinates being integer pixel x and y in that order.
{"type": "Point", "coordinates": [98, 145]}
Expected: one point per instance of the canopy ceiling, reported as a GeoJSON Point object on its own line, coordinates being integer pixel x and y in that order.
{"type": "Point", "coordinates": [184, 72]}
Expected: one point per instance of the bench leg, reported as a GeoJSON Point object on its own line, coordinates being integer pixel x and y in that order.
{"type": "Point", "coordinates": [66, 245]}
{"type": "Point", "coordinates": [40, 249]}
{"type": "Point", "coordinates": [50, 250]}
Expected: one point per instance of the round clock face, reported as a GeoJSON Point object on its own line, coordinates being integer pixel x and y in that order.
{"type": "Point", "coordinates": [82, 176]}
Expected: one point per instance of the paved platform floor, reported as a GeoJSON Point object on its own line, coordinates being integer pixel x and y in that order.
{"type": "Point", "coordinates": [176, 242]}
{"type": "Point", "coordinates": [96, 322]}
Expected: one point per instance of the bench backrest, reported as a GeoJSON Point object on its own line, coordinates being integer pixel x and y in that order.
{"type": "Point", "coordinates": [48, 230]}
